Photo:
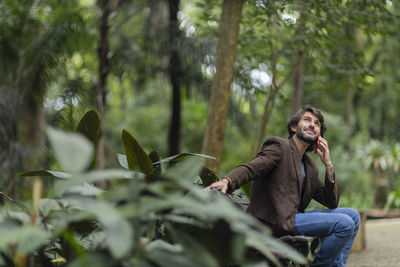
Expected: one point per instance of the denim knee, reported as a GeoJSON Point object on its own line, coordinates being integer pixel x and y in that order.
{"type": "Point", "coordinates": [345, 226]}
{"type": "Point", "coordinates": [355, 215]}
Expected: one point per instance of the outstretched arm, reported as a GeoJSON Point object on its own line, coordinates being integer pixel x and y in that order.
{"type": "Point", "coordinates": [265, 161]}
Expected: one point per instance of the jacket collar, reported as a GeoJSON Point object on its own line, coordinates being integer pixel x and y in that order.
{"type": "Point", "coordinates": [293, 145]}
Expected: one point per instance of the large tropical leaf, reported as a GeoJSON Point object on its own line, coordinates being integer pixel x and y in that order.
{"type": "Point", "coordinates": [187, 170]}
{"type": "Point", "coordinates": [89, 126]}
{"type": "Point", "coordinates": [93, 176]}
{"type": "Point", "coordinates": [73, 151]}
{"type": "Point", "coordinates": [181, 156]}
{"type": "Point", "coordinates": [119, 234]}
{"type": "Point", "coordinates": [27, 239]}
{"type": "Point", "coordinates": [136, 157]}
{"type": "Point", "coordinates": [46, 173]}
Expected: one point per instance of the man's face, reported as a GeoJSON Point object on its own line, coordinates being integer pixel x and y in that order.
{"type": "Point", "coordinates": [308, 129]}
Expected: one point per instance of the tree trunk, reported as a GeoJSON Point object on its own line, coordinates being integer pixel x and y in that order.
{"type": "Point", "coordinates": [175, 73]}
{"type": "Point", "coordinates": [350, 113]}
{"type": "Point", "coordinates": [351, 87]}
{"type": "Point", "coordinates": [33, 123]}
{"type": "Point", "coordinates": [221, 86]}
{"type": "Point", "coordinates": [268, 107]}
{"type": "Point", "coordinates": [379, 185]}
{"type": "Point", "coordinates": [298, 61]}
{"type": "Point", "coordinates": [104, 68]}
{"type": "Point", "coordinates": [155, 27]}
{"type": "Point", "coordinates": [298, 81]}
{"type": "Point", "coordinates": [273, 91]}
{"type": "Point", "coordinates": [10, 108]}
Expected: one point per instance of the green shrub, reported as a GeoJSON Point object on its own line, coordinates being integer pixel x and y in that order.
{"type": "Point", "coordinates": [148, 218]}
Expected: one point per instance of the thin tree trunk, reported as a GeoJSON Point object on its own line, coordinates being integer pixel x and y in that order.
{"type": "Point", "coordinates": [350, 113]}
{"type": "Point", "coordinates": [268, 107]}
{"type": "Point", "coordinates": [274, 88]}
{"type": "Point", "coordinates": [350, 95]}
{"type": "Point", "coordinates": [221, 86]}
{"type": "Point", "coordinates": [33, 123]}
{"type": "Point", "coordinates": [298, 81]}
{"type": "Point", "coordinates": [379, 185]}
{"type": "Point", "coordinates": [382, 95]}
{"type": "Point", "coordinates": [383, 111]}
{"type": "Point", "coordinates": [155, 26]}
{"type": "Point", "coordinates": [14, 157]}
{"type": "Point", "coordinates": [298, 62]}
{"type": "Point", "coordinates": [175, 73]}
{"type": "Point", "coordinates": [104, 68]}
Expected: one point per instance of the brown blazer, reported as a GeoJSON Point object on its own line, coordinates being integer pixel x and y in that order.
{"type": "Point", "coordinates": [276, 187]}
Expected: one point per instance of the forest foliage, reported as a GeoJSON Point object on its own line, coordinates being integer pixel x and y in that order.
{"type": "Point", "coordinates": [149, 67]}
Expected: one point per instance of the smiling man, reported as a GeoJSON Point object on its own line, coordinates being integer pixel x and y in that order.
{"type": "Point", "coordinates": [284, 180]}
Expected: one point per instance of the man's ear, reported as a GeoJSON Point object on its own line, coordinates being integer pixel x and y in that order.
{"type": "Point", "coordinates": [293, 128]}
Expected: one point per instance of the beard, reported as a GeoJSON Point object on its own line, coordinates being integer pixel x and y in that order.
{"type": "Point", "coordinates": [306, 138]}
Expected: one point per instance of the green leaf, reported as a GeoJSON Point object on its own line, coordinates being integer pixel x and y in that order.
{"type": "Point", "coordinates": [188, 169]}
{"type": "Point", "coordinates": [46, 173]}
{"type": "Point", "coordinates": [48, 205]}
{"type": "Point", "coordinates": [165, 258]}
{"type": "Point", "coordinates": [94, 240]}
{"type": "Point", "coordinates": [195, 250]}
{"type": "Point", "coordinates": [26, 238]}
{"type": "Point", "coordinates": [137, 158]}
{"type": "Point", "coordinates": [85, 189]}
{"type": "Point", "coordinates": [208, 176]}
{"type": "Point", "coordinates": [119, 234]}
{"type": "Point", "coordinates": [73, 151]}
{"type": "Point", "coordinates": [123, 161]}
{"type": "Point", "coordinates": [181, 156]}
{"type": "Point", "coordinates": [162, 245]}
{"type": "Point", "coordinates": [89, 126]}
{"type": "Point", "coordinates": [62, 186]}
{"type": "Point", "coordinates": [92, 259]}
{"type": "Point", "coordinates": [155, 157]}
{"type": "Point", "coordinates": [246, 189]}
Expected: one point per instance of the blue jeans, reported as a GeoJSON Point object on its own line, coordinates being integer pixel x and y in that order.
{"type": "Point", "coordinates": [339, 226]}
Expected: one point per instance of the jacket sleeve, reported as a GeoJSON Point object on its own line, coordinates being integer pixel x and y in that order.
{"type": "Point", "coordinates": [328, 193]}
{"type": "Point", "coordinates": [260, 166]}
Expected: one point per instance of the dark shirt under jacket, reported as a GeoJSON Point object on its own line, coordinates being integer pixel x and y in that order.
{"type": "Point", "coordinates": [277, 181]}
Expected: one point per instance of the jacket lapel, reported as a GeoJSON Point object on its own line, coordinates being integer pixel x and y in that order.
{"type": "Point", "coordinates": [296, 162]}
{"type": "Point", "coordinates": [309, 173]}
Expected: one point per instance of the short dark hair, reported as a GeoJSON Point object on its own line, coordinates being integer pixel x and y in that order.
{"type": "Point", "coordinates": [299, 114]}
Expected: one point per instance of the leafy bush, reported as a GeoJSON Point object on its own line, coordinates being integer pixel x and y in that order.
{"type": "Point", "coordinates": [147, 217]}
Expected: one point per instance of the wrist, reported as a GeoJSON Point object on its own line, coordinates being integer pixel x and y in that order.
{"type": "Point", "coordinates": [227, 180]}
{"type": "Point", "coordinates": [329, 165]}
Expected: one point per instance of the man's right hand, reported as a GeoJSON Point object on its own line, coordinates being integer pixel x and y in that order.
{"type": "Point", "coordinates": [222, 185]}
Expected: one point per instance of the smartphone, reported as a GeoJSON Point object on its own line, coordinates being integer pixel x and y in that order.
{"type": "Point", "coordinates": [316, 145]}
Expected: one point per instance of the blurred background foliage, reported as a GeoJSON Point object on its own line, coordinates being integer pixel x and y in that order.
{"type": "Point", "coordinates": [340, 56]}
